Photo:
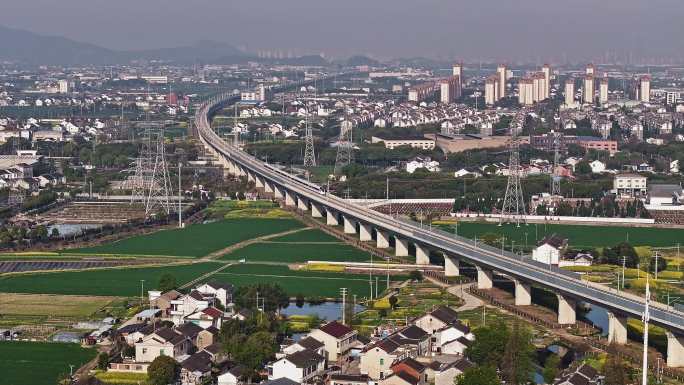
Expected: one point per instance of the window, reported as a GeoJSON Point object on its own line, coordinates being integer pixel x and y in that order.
{"type": "Point", "coordinates": [161, 352]}
{"type": "Point", "coordinates": [144, 351]}
{"type": "Point", "coordinates": [382, 361]}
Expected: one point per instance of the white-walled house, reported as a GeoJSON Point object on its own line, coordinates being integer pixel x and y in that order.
{"type": "Point", "coordinates": [301, 366]}
{"type": "Point", "coordinates": [337, 338]}
{"type": "Point", "coordinates": [223, 292]}
{"type": "Point", "coordinates": [549, 250]}
{"type": "Point", "coordinates": [437, 319]}
{"type": "Point", "coordinates": [597, 167]}
{"type": "Point", "coordinates": [163, 342]}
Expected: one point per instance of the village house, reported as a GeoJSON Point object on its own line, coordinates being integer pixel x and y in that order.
{"type": "Point", "coordinates": [337, 338]}
{"type": "Point", "coordinates": [301, 366]}
{"type": "Point", "coordinates": [550, 249]}
{"type": "Point", "coordinates": [163, 342]}
{"type": "Point", "coordinates": [436, 319]}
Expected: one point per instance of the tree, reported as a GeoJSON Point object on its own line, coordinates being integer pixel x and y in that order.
{"type": "Point", "coordinates": [102, 361]}
{"type": "Point", "coordinates": [162, 371]}
{"type": "Point", "coordinates": [167, 282]}
{"type": "Point", "coordinates": [516, 365]}
{"type": "Point", "coordinates": [583, 168]}
{"type": "Point", "coordinates": [416, 275]}
{"type": "Point", "coordinates": [393, 301]}
{"type": "Point", "coordinates": [478, 375]}
{"type": "Point", "coordinates": [551, 368]}
{"type": "Point", "coordinates": [490, 342]}
{"type": "Point", "coordinates": [257, 349]}
{"type": "Point", "coordinates": [662, 264]}
{"type": "Point", "coordinates": [299, 300]}
{"type": "Point", "coordinates": [54, 233]}
{"type": "Point", "coordinates": [614, 370]}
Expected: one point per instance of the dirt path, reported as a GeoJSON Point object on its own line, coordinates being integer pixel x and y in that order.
{"type": "Point", "coordinates": [240, 245]}
{"type": "Point", "coordinates": [205, 276]}
{"type": "Point", "coordinates": [460, 290]}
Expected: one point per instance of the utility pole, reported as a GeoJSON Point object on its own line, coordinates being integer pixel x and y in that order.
{"type": "Point", "coordinates": [376, 286]}
{"type": "Point", "coordinates": [656, 264]}
{"type": "Point", "coordinates": [645, 318]}
{"type": "Point", "coordinates": [343, 292]}
{"type": "Point", "coordinates": [180, 210]}
{"type": "Point", "coordinates": [142, 286]}
{"type": "Point", "coordinates": [624, 260]}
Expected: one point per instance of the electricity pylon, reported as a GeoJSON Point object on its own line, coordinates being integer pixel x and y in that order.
{"type": "Point", "coordinates": [513, 209]}
{"type": "Point", "coordinates": [555, 175]}
{"type": "Point", "coordinates": [345, 147]}
{"type": "Point", "coordinates": [151, 182]}
{"type": "Point", "coordinates": [309, 154]}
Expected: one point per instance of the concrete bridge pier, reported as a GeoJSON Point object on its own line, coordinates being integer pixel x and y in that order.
{"type": "Point", "coordinates": [381, 239]}
{"type": "Point", "coordinates": [567, 315]}
{"type": "Point", "coordinates": [422, 255]}
{"type": "Point", "coordinates": [259, 182]}
{"type": "Point", "coordinates": [250, 177]}
{"type": "Point", "coordinates": [617, 329]}
{"type": "Point", "coordinates": [400, 247]}
{"type": "Point", "coordinates": [452, 267]}
{"type": "Point", "coordinates": [331, 218]}
{"type": "Point", "coordinates": [302, 204]}
{"type": "Point", "coordinates": [289, 199]}
{"type": "Point", "coordinates": [365, 232]}
{"type": "Point", "coordinates": [349, 225]}
{"type": "Point", "coordinates": [523, 293]}
{"type": "Point", "coordinates": [316, 210]}
{"type": "Point", "coordinates": [484, 278]}
{"type": "Point", "coordinates": [268, 186]}
{"type": "Point", "coordinates": [278, 192]}
{"type": "Point", "coordinates": [675, 350]}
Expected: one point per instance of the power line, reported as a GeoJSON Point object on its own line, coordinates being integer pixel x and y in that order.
{"type": "Point", "coordinates": [345, 147]}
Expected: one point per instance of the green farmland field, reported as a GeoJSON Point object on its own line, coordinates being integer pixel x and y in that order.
{"type": "Point", "coordinates": [106, 282]}
{"type": "Point", "coordinates": [578, 235]}
{"type": "Point", "coordinates": [298, 252]}
{"type": "Point", "coordinates": [313, 235]}
{"type": "Point", "coordinates": [301, 282]}
{"type": "Point", "coordinates": [196, 240]}
{"type": "Point", "coordinates": [39, 363]}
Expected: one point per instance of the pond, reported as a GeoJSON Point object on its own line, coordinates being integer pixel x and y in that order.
{"type": "Point", "coordinates": [326, 310]}
{"type": "Point", "coordinates": [68, 229]}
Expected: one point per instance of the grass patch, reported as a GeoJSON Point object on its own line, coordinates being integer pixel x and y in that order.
{"type": "Point", "coordinates": [298, 252]}
{"type": "Point", "coordinates": [297, 281]}
{"type": "Point", "coordinates": [667, 274]}
{"type": "Point", "coordinates": [196, 240]}
{"type": "Point", "coordinates": [51, 305]}
{"type": "Point", "coordinates": [324, 267]}
{"type": "Point", "coordinates": [579, 236]}
{"type": "Point", "coordinates": [104, 282]}
{"type": "Point", "coordinates": [39, 363]}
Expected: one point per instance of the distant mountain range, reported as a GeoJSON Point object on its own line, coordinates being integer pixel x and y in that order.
{"type": "Point", "coordinates": [33, 49]}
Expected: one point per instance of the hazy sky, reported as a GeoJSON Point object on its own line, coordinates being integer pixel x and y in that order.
{"type": "Point", "coordinates": [494, 29]}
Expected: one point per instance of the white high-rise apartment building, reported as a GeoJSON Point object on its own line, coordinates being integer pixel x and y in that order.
{"type": "Point", "coordinates": [503, 76]}
{"type": "Point", "coordinates": [591, 70]}
{"type": "Point", "coordinates": [645, 89]}
{"type": "Point", "coordinates": [457, 70]}
{"type": "Point", "coordinates": [603, 91]}
{"type": "Point", "coordinates": [526, 91]}
{"type": "Point", "coordinates": [63, 86]}
{"type": "Point", "coordinates": [570, 92]}
{"type": "Point", "coordinates": [589, 89]}
{"type": "Point", "coordinates": [492, 89]}
{"type": "Point", "coordinates": [546, 69]}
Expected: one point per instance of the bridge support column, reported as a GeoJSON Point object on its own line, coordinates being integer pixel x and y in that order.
{"type": "Point", "coordinates": [365, 232]}
{"type": "Point", "coordinates": [523, 293]}
{"type": "Point", "coordinates": [268, 186]}
{"type": "Point", "coordinates": [675, 350]}
{"type": "Point", "coordinates": [422, 255]}
{"type": "Point", "coordinates": [302, 204]}
{"type": "Point", "coordinates": [484, 279]}
{"type": "Point", "coordinates": [400, 247]}
{"type": "Point", "coordinates": [259, 182]}
{"type": "Point", "coordinates": [331, 218]}
{"type": "Point", "coordinates": [289, 199]}
{"type": "Point", "coordinates": [382, 239]}
{"type": "Point", "coordinates": [349, 225]}
{"type": "Point", "coordinates": [316, 211]}
{"type": "Point", "coordinates": [617, 329]}
{"type": "Point", "coordinates": [566, 310]}
{"type": "Point", "coordinates": [451, 267]}
{"type": "Point", "coordinates": [250, 177]}
{"type": "Point", "coordinates": [278, 192]}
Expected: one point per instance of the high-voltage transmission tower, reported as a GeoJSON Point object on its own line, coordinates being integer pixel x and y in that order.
{"type": "Point", "coordinates": [513, 209]}
{"type": "Point", "coordinates": [345, 147]}
{"type": "Point", "coordinates": [309, 154]}
{"type": "Point", "coordinates": [151, 183]}
{"type": "Point", "coordinates": [555, 175]}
